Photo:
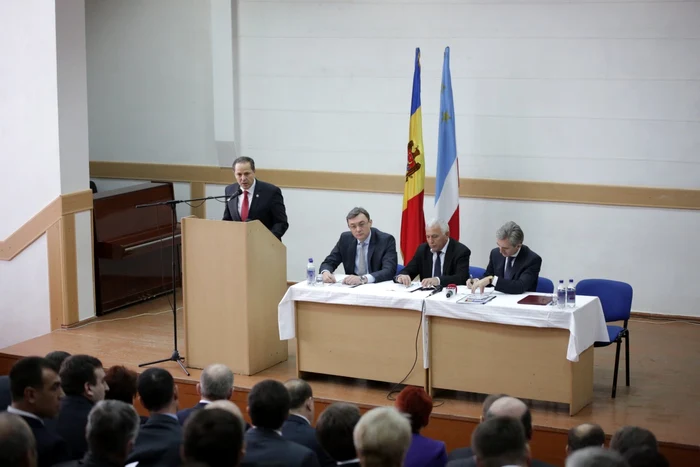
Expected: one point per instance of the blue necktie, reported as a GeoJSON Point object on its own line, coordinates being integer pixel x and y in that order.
{"type": "Point", "coordinates": [509, 268]}
{"type": "Point", "coordinates": [437, 270]}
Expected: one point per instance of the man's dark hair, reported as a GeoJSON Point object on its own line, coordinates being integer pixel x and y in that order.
{"type": "Point", "coordinates": [110, 426]}
{"type": "Point", "coordinates": [354, 212]}
{"type": "Point", "coordinates": [644, 456]}
{"type": "Point", "coordinates": [28, 372]}
{"type": "Point", "coordinates": [213, 437]}
{"type": "Point", "coordinates": [629, 437]}
{"type": "Point", "coordinates": [156, 387]}
{"type": "Point", "coordinates": [16, 440]}
{"type": "Point", "coordinates": [57, 357]}
{"type": "Point", "coordinates": [244, 160]}
{"type": "Point", "coordinates": [268, 404]}
{"type": "Point", "coordinates": [122, 383]}
{"type": "Point", "coordinates": [299, 392]}
{"type": "Point", "coordinates": [525, 419]}
{"type": "Point", "coordinates": [585, 435]}
{"type": "Point", "coordinates": [500, 441]}
{"type": "Point", "coordinates": [334, 430]}
{"type": "Point", "coordinates": [76, 371]}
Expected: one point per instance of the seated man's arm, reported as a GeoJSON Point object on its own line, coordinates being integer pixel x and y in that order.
{"type": "Point", "coordinates": [389, 262]}
{"type": "Point", "coordinates": [333, 260]}
{"type": "Point", "coordinates": [527, 280]}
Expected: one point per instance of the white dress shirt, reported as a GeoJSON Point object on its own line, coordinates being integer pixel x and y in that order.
{"type": "Point", "coordinates": [250, 191]}
{"type": "Point", "coordinates": [22, 413]}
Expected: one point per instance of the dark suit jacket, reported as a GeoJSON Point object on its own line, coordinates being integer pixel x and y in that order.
{"type": "Point", "coordinates": [464, 457]}
{"type": "Point", "coordinates": [298, 430]}
{"type": "Point", "coordinates": [455, 264]}
{"type": "Point", "coordinates": [89, 461]}
{"type": "Point", "coordinates": [526, 271]}
{"type": "Point", "coordinates": [268, 448]}
{"type": "Point", "coordinates": [267, 207]}
{"type": "Point", "coordinates": [5, 394]}
{"type": "Point", "coordinates": [71, 423]}
{"type": "Point", "coordinates": [381, 255]}
{"type": "Point", "coordinates": [184, 413]}
{"type": "Point", "coordinates": [158, 442]}
{"type": "Point", "coordinates": [51, 448]}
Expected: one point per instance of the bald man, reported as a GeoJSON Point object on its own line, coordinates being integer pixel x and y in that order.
{"type": "Point", "coordinates": [583, 436]}
{"type": "Point", "coordinates": [467, 453]}
{"type": "Point", "coordinates": [17, 443]}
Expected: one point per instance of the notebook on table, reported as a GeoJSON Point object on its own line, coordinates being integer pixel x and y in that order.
{"type": "Point", "coordinates": [535, 300]}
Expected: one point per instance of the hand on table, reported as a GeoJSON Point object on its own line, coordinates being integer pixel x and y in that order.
{"type": "Point", "coordinates": [352, 280]}
{"type": "Point", "coordinates": [403, 279]}
{"type": "Point", "coordinates": [480, 284]}
{"type": "Point", "coordinates": [328, 277]}
{"type": "Point", "coordinates": [430, 282]}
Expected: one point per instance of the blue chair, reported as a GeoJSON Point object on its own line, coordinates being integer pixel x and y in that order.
{"type": "Point", "coordinates": [476, 272]}
{"type": "Point", "coordinates": [544, 285]}
{"type": "Point", "coordinates": [399, 267]}
{"type": "Point", "coordinates": [616, 298]}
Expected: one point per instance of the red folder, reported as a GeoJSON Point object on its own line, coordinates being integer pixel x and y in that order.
{"type": "Point", "coordinates": [536, 300]}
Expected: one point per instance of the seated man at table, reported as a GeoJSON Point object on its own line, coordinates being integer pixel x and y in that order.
{"type": "Point", "coordinates": [439, 261]}
{"type": "Point", "coordinates": [513, 267]}
{"type": "Point", "coordinates": [368, 254]}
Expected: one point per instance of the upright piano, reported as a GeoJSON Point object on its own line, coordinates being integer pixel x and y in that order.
{"type": "Point", "coordinates": [133, 252]}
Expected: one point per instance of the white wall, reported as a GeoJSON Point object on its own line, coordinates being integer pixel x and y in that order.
{"type": "Point", "coordinates": [577, 92]}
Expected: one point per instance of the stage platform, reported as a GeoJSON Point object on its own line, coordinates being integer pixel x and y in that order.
{"type": "Point", "coordinates": [664, 396]}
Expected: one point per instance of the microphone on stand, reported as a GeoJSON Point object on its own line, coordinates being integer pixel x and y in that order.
{"type": "Point", "coordinates": [235, 195]}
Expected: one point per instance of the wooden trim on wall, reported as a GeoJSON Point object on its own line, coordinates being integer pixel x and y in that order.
{"type": "Point", "coordinates": [53, 244]}
{"type": "Point", "coordinates": [69, 270]}
{"type": "Point", "coordinates": [516, 190]}
{"type": "Point", "coordinates": [198, 190]}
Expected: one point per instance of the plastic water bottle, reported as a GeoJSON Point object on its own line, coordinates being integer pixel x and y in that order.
{"type": "Point", "coordinates": [561, 294]}
{"type": "Point", "coordinates": [310, 272]}
{"type": "Point", "coordinates": [571, 294]}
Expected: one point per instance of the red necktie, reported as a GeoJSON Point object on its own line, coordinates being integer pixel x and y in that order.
{"type": "Point", "coordinates": [244, 207]}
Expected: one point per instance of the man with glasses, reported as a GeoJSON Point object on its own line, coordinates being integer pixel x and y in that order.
{"type": "Point", "coordinates": [367, 254]}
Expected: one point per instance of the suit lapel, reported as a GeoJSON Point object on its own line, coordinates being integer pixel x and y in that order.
{"type": "Point", "coordinates": [254, 201]}
{"type": "Point", "coordinates": [233, 205]}
{"type": "Point", "coordinates": [370, 249]}
{"type": "Point", "coordinates": [352, 254]}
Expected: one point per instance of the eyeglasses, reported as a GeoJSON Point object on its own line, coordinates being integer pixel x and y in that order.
{"type": "Point", "coordinates": [361, 225]}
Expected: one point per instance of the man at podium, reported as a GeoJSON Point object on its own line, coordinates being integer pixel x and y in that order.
{"type": "Point", "coordinates": [250, 199]}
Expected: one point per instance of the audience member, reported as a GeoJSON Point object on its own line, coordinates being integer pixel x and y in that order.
{"type": "Point", "coordinates": [423, 451]}
{"type": "Point", "coordinates": [215, 383]}
{"type": "Point", "coordinates": [231, 408]}
{"type": "Point", "coordinates": [382, 437]}
{"type": "Point", "coordinates": [334, 431]}
{"type": "Point", "coordinates": [159, 439]}
{"type": "Point", "coordinates": [500, 441]}
{"type": "Point", "coordinates": [595, 457]}
{"type": "Point", "coordinates": [17, 443]}
{"type": "Point", "coordinates": [644, 456]}
{"type": "Point", "coordinates": [123, 386]}
{"type": "Point", "coordinates": [55, 358]}
{"type": "Point", "coordinates": [629, 437]}
{"type": "Point", "coordinates": [298, 427]}
{"type": "Point", "coordinates": [83, 382]}
{"type": "Point", "coordinates": [467, 453]}
{"type": "Point", "coordinates": [583, 436]}
{"type": "Point", "coordinates": [268, 408]}
{"type": "Point", "coordinates": [213, 437]}
{"type": "Point", "coordinates": [36, 395]}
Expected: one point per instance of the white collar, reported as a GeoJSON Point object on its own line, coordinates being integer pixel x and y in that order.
{"type": "Point", "coordinates": [444, 248]}
{"type": "Point", "coordinates": [366, 239]}
{"type": "Point", "coordinates": [22, 413]}
{"type": "Point", "coordinates": [350, 461]}
{"type": "Point", "coordinates": [251, 189]}
{"type": "Point", "coordinates": [300, 416]}
{"type": "Point", "coordinates": [517, 252]}
{"type": "Point", "coordinates": [204, 401]}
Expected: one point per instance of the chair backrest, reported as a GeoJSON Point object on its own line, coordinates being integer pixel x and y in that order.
{"type": "Point", "coordinates": [544, 285]}
{"type": "Point", "coordinates": [476, 272]}
{"type": "Point", "coordinates": [399, 267]}
{"type": "Point", "coordinates": [615, 296]}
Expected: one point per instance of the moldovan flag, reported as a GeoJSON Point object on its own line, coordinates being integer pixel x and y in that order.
{"type": "Point", "coordinates": [412, 217]}
{"type": "Point", "coordinates": [447, 179]}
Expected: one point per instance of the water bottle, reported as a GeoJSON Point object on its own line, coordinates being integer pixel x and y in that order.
{"type": "Point", "coordinates": [310, 272]}
{"type": "Point", "coordinates": [571, 294]}
{"type": "Point", "coordinates": [561, 294]}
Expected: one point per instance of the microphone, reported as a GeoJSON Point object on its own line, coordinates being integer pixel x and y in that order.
{"type": "Point", "coordinates": [438, 289]}
{"type": "Point", "coordinates": [449, 293]}
{"type": "Point", "coordinates": [235, 195]}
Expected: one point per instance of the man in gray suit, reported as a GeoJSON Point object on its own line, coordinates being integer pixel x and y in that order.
{"type": "Point", "coordinates": [368, 254]}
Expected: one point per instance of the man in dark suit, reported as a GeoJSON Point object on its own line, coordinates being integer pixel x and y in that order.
{"type": "Point", "coordinates": [498, 441]}
{"type": "Point", "coordinates": [440, 261]}
{"type": "Point", "coordinates": [513, 267]}
{"type": "Point", "coordinates": [83, 382]}
{"type": "Point", "coordinates": [258, 200]}
{"type": "Point", "coordinates": [467, 452]}
{"type": "Point", "coordinates": [213, 437]}
{"type": "Point", "coordinates": [334, 431]}
{"type": "Point", "coordinates": [367, 254]}
{"type": "Point", "coordinates": [298, 427]}
{"type": "Point", "coordinates": [56, 358]}
{"type": "Point", "coordinates": [159, 439]}
{"type": "Point", "coordinates": [17, 443]}
{"type": "Point", "coordinates": [268, 407]}
{"type": "Point", "coordinates": [36, 395]}
{"type": "Point", "coordinates": [215, 383]}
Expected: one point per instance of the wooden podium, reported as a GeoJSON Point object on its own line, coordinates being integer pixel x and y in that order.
{"type": "Point", "coordinates": [234, 276]}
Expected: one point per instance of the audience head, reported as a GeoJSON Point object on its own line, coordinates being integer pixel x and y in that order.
{"type": "Point", "coordinates": [301, 398]}
{"type": "Point", "coordinates": [629, 437]}
{"type": "Point", "coordinates": [122, 384]}
{"type": "Point", "coordinates": [36, 387]}
{"type": "Point", "coordinates": [17, 443]}
{"type": "Point", "coordinates": [359, 223]}
{"type": "Point", "coordinates": [595, 457]}
{"type": "Point", "coordinates": [382, 437]}
{"type": "Point", "coordinates": [509, 238]}
{"type": "Point", "coordinates": [57, 357]}
{"type": "Point", "coordinates": [334, 430]}
{"type": "Point", "coordinates": [83, 375]}
{"type": "Point", "coordinates": [229, 407]}
{"type": "Point", "coordinates": [644, 456]}
{"type": "Point", "coordinates": [415, 402]}
{"type": "Point", "coordinates": [490, 399]}
{"type": "Point", "coordinates": [500, 441]}
{"type": "Point", "coordinates": [437, 233]}
{"type": "Point", "coordinates": [511, 407]}
{"type": "Point", "coordinates": [585, 435]}
{"type": "Point", "coordinates": [111, 430]}
{"type": "Point", "coordinates": [213, 437]}
{"type": "Point", "coordinates": [268, 404]}
{"type": "Point", "coordinates": [157, 391]}
{"type": "Point", "coordinates": [216, 383]}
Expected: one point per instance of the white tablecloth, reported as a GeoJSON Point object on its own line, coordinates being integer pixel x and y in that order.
{"type": "Point", "coordinates": [586, 322]}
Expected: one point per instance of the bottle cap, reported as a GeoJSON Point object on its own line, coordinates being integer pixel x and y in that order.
{"type": "Point", "coordinates": [311, 260]}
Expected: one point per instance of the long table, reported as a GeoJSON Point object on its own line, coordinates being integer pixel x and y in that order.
{"type": "Point", "coordinates": [384, 333]}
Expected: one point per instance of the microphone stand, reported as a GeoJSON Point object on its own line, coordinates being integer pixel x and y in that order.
{"type": "Point", "coordinates": [175, 356]}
